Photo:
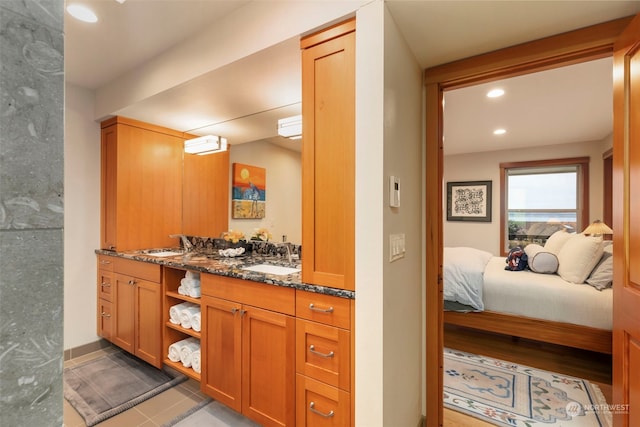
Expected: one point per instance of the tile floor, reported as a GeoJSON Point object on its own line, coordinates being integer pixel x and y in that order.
{"type": "Point", "coordinates": [150, 413]}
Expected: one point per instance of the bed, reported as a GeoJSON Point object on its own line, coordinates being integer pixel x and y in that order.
{"type": "Point", "coordinates": [479, 293]}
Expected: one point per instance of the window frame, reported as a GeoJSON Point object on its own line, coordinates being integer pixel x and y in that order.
{"type": "Point", "coordinates": [582, 215]}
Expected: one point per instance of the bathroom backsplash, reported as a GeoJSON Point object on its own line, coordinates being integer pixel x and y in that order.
{"type": "Point", "coordinates": [211, 245]}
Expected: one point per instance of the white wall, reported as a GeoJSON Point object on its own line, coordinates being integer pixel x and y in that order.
{"type": "Point", "coordinates": [283, 215]}
{"type": "Point", "coordinates": [82, 216]}
{"type": "Point", "coordinates": [486, 166]}
{"type": "Point", "coordinates": [403, 331]}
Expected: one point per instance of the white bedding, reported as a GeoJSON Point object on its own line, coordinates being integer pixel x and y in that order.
{"type": "Point", "coordinates": [524, 293]}
{"type": "Point", "coordinates": [463, 275]}
{"type": "Point", "coordinates": [545, 296]}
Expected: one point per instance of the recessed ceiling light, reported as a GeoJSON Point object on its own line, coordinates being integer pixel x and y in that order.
{"type": "Point", "coordinates": [494, 93]}
{"type": "Point", "coordinates": [499, 131]}
{"type": "Point", "coordinates": [81, 12]}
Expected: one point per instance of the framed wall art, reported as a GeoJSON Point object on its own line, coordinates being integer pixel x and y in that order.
{"type": "Point", "coordinates": [469, 201]}
{"type": "Point", "coordinates": [248, 192]}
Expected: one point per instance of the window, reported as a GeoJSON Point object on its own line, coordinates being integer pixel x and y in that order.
{"type": "Point", "coordinates": [541, 197]}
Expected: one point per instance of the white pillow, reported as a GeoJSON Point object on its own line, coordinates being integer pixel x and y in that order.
{"type": "Point", "coordinates": [556, 241]}
{"type": "Point", "coordinates": [541, 260]}
{"type": "Point", "coordinates": [578, 256]}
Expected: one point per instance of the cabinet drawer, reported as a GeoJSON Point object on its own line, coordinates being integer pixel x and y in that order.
{"type": "Point", "coordinates": [139, 269]}
{"type": "Point", "coordinates": [105, 262]}
{"type": "Point", "coordinates": [105, 325]}
{"type": "Point", "coordinates": [327, 309]}
{"type": "Point", "coordinates": [323, 353]}
{"type": "Point", "coordinates": [105, 285]}
{"type": "Point", "coordinates": [269, 297]}
{"type": "Point", "coordinates": [318, 404]}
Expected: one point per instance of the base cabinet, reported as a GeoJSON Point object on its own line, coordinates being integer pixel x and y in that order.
{"type": "Point", "coordinates": [249, 351]}
{"type": "Point", "coordinates": [132, 319]}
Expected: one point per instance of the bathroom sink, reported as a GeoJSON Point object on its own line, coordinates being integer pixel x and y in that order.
{"type": "Point", "coordinates": [162, 252]}
{"type": "Point", "coordinates": [272, 269]}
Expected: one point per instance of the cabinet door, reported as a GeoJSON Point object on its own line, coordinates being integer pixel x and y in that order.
{"type": "Point", "coordinates": [105, 323]}
{"type": "Point", "coordinates": [123, 312]}
{"type": "Point", "coordinates": [221, 347]}
{"type": "Point", "coordinates": [328, 163]}
{"type": "Point", "coordinates": [108, 170]}
{"type": "Point", "coordinates": [268, 367]}
{"type": "Point", "coordinates": [148, 323]}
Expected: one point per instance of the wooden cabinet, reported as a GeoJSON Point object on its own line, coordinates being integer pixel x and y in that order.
{"type": "Point", "coordinates": [328, 156]}
{"type": "Point", "coordinates": [172, 332]}
{"type": "Point", "coordinates": [324, 360]}
{"type": "Point", "coordinates": [136, 309]}
{"type": "Point", "coordinates": [248, 348]}
{"type": "Point", "coordinates": [141, 179]}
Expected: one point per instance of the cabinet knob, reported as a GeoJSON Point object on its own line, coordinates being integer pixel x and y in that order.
{"type": "Point", "coordinates": [106, 285]}
{"type": "Point", "coordinates": [312, 408]}
{"type": "Point", "coordinates": [103, 314]}
{"type": "Point", "coordinates": [132, 282]}
{"type": "Point", "coordinates": [320, 310]}
{"type": "Point", "coordinates": [312, 349]}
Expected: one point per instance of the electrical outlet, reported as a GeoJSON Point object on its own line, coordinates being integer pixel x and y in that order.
{"type": "Point", "coordinates": [396, 247]}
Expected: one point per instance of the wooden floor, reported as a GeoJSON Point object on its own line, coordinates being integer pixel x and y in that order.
{"type": "Point", "coordinates": [595, 367]}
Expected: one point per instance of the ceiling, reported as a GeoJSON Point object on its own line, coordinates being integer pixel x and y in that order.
{"type": "Point", "coordinates": [251, 94]}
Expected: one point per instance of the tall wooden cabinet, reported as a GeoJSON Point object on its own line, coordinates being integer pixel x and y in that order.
{"type": "Point", "coordinates": [328, 156]}
{"type": "Point", "coordinates": [248, 346]}
{"type": "Point", "coordinates": [141, 175]}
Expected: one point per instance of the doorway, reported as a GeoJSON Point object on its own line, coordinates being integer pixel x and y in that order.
{"type": "Point", "coordinates": [570, 48]}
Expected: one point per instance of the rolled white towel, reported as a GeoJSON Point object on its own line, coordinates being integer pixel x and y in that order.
{"type": "Point", "coordinates": [194, 292]}
{"type": "Point", "coordinates": [186, 314]}
{"type": "Point", "coordinates": [175, 310]}
{"type": "Point", "coordinates": [182, 290]}
{"type": "Point", "coordinates": [196, 363]}
{"type": "Point", "coordinates": [192, 275]}
{"type": "Point", "coordinates": [196, 322]}
{"type": "Point", "coordinates": [186, 351]}
{"type": "Point", "coordinates": [174, 351]}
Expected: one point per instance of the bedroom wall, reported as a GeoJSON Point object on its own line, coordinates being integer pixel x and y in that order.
{"type": "Point", "coordinates": [486, 166]}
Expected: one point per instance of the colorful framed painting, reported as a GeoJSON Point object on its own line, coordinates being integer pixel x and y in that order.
{"type": "Point", "coordinates": [469, 201]}
{"type": "Point", "coordinates": [248, 191]}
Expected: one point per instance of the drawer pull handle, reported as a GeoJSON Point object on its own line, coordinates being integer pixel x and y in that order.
{"type": "Point", "coordinates": [315, 411]}
{"type": "Point", "coordinates": [106, 285]}
{"type": "Point", "coordinates": [105, 314]}
{"type": "Point", "coordinates": [313, 350]}
{"type": "Point", "coordinates": [103, 261]}
{"type": "Point", "coordinates": [321, 310]}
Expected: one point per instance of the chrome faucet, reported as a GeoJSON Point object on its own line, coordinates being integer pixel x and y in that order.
{"type": "Point", "coordinates": [188, 246]}
{"type": "Point", "coordinates": [288, 246]}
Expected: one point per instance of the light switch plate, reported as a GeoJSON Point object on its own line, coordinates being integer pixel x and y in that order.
{"type": "Point", "coordinates": [396, 247]}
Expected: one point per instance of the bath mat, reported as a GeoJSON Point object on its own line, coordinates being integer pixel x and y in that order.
{"type": "Point", "coordinates": [210, 413]}
{"type": "Point", "coordinates": [106, 386]}
{"type": "Point", "coordinates": [506, 394]}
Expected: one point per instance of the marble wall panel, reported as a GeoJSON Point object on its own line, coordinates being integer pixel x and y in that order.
{"type": "Point", "coordinates": [31, 211]}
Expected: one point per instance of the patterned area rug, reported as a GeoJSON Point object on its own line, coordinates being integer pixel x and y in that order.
{"type": "Point", "coordinates": [505, 394]}
{"type": "Point", "coordinates": [106, 386]}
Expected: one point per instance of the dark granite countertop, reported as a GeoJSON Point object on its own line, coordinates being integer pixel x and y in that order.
{"type": "Point", "coordinates": [232, 267]}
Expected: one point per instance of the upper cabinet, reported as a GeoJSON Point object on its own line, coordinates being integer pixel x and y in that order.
{"type": "Point", "coordinates": [205, 195]}
{"type": "Point", "coordinates": [147, 184]}
{"type": "Point", "coordinates": [328, 156]}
